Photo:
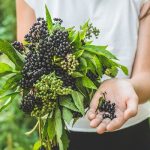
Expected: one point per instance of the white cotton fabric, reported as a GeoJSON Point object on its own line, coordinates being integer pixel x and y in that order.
{"type": "Point", "coordinates": [118, 21]}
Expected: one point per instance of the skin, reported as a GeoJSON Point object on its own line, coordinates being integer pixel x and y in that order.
{"type": "Point", "coordinates": [126, 93]}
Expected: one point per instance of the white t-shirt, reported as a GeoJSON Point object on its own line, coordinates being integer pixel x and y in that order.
{"type": "Point", "coordinates": [118, 21]}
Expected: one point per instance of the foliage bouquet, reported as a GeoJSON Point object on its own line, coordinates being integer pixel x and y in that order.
{"type": "Point", "coordinates": [56, 72]}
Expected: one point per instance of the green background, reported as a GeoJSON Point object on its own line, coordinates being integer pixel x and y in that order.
{"type": "Point", "coordinates": [13, 123]}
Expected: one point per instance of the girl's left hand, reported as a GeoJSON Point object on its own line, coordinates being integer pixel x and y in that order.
{"type": "Point", "coordinates": [120, 92]}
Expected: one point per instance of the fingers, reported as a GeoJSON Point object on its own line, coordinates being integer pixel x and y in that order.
{"type": "Point", "coordinates": [95, 122]}
{"type": "Point", "coordinates": [103, 125]}
{"type": "Point", "coordinates": [132, 107]}
{"type": "Point", "coordinates": [93, 106]}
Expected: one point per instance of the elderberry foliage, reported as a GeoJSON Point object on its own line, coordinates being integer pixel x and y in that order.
{"type": "Point", "coordinates": [56, 71]}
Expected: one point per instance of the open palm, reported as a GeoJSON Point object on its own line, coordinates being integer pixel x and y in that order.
{"type": "Point", "coordinates": [120, 92]}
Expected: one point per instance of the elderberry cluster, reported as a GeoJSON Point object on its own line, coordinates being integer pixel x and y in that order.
{"type": "Point", "coordinates": [60, 44]}
{"type": "Point", "coordinates": [50, 87]}
{"type": "Point", "coordinates": [37, 32]}
{"type": "Point", "coordinates": [58, 21]}
{"type": "Point", "coordinates": [68, 80]}
{"type": "Point", "coordinates": [108, 108]}
{"type": "Point", "coordinates": [92, 31]}
{"type": "Point", "coordinates": [69, 64]}
{"type": "Point", "coordinates": [35, 106]}
{"type": "Point", "coordinates": [18, 46]}
{"type": "Point", "coordinates": [29, 102]}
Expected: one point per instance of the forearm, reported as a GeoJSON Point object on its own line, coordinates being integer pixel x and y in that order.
{"type": "Point", "coordinates": [141, 84]}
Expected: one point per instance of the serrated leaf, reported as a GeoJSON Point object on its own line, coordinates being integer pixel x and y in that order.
{"type": "Point", "coordinates": [99, 50]}
{"type": "Point", "coordinates": [69, 104]}
{"type": "Point", "coordinates": [51, 128]}
{"type": "Point", "coordinates": [48, 19]}
{"type": "Point", "coordinates": [78, 53]}
{"type": "Point", "coordinates": [77, 75]}
{"type": "Point", "coordinates": [78, 99]}
{"type": "Point", "coordinates": [12, 54]}
{"type": "Point", "coordinates": [88, 83]}
{"type": "Point", "coordinates": [58, 123]}
{"type": "Point", "coordinates": [67, 115]}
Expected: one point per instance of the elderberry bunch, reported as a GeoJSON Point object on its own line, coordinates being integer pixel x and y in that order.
{"type": "Point", "coordinates": [29, 102]}
{"type": "Point", "coordinates": [58, 21]}
{"type": "Point", "coordinates": [33, 69]}
{"type": "Point", "coordinates": [68, 80]}
{"type": "Point", "coordinates": [18, 46]}
{"type": "Point", "coordinates": [60, 44]}
{"type": "Point", "coordinates": [69, 64]}
{"type": "Point", "coordinates": [37, 32]}
{"type": "Point", "coordinates": [50, 87]}
{"type": "Point", "coordinates": [92, 31]}
{"type": "Point", "coordinates": [108, 108]}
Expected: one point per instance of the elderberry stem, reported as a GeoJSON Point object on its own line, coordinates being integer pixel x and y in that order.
{"type": "Point", "coordinates": [40, 134]}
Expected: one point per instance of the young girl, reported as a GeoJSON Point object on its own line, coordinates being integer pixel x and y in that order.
{"type": "Point", "coordinates": [125, 27]}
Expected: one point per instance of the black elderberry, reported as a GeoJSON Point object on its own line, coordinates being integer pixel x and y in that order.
{"type": "Point", "coordinates": [108, 108]}
{"type": "Point", "coordinates": [27, 104]}
{"type": "Point", "coordinates": [18, 46]}
{"type": "Point", "coordinates": [67, 79]}
{"type": "Point", "coordinates": [92, 76]}
{"type": "Point", "coordinates": [57, 21]}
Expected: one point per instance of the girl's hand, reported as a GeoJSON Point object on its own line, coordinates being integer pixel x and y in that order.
{"type": "Point", "coordinates": [120, 92]}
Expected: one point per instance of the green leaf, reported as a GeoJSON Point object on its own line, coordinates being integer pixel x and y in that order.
{"type": "Point", "coordinates": [6, 104]}
{"type": "Point", "coordinates": [67, 115]}
{"type": "Point", "coordinates": [65, 140]}
{"type": "Point", "coordinates": [88, 83]}
{"type": "Point", "coordinates": [99, 50]}
{"type": "Point", "coordinates": [76, 41]}
{"type": "Point", "coordinates": [83, 64]}
{"type": "Point", "coordinates": [84, 30]}
{"type": "Point", "coordinates": [58, 123]}
{"type": "Point", "coordinates": [69, 104]}
{"type": "Point", "coordinates": [124, 69]}
{"type": "Point", "coordinates": [51, 128]}
{"type": "Point", "coordinates": [37, 145]}
{"type": "Point", "coordinates": [97, 65]}
{"type": "Point", "coordinates": [12, 82]}
{"type": "Point", "coordinates": [12, 54]}
{"type": "Point", "coordinates": [5, 69]}
{"type": "Point", "coordinates": [78, 53]}
{"type": "Point", "coordinates": [77, 75]}
{"type": "Point", "coordinates": [78, 100]}
{"type": "Point", "coordinates": [13, 94]}
{"type": "Point", "coordinates": [48, 19]}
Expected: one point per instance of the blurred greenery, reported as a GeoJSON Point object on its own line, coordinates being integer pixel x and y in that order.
{"type": "Point", "coordinates": [13, 123]}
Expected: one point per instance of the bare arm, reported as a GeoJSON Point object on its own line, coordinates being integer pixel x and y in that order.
{"type": "Point", "coordinates": [25, 18]}
{"type": "Point", "coordinates": [141, 70]}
